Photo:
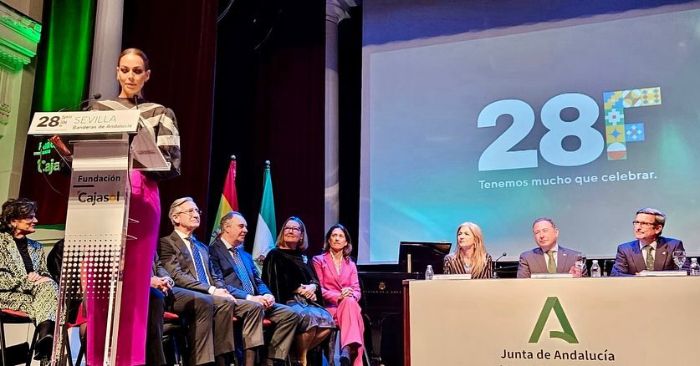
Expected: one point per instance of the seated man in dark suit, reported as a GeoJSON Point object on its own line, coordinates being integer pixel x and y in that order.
{"type": "Point", "coordinates": [649, 251]}
{"type": "Point", "coordinates": [243, 282]}
{"type": "Point", "coordinates": [549, 256]}
{"type": "Point", "coordinates": [187, 261]}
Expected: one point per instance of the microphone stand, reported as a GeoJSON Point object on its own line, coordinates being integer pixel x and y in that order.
{"type": "Point", "coordinates": [495, 263]}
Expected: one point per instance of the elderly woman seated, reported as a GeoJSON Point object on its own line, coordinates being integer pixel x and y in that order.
{"type": "Point", "coordinates": [25, 283]}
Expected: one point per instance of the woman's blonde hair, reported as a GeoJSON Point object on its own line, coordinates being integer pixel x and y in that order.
{"type": "Point", "coordinates": [479, 257]}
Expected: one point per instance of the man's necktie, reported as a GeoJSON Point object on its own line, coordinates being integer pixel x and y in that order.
{"type": "Point", "coordinates": [650, 258]}
{"type": "Point", "coordinates": [198, 263]}
{"type": "Point", "coordinates": [241, 271]}
{"type": "Point", "coordinates": [552, 263]}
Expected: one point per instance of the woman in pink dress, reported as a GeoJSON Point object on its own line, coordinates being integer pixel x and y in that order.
{"type": "Point", "coordinates": [133, 71]}
{"type": "Point", "coordinates": [340, 287]}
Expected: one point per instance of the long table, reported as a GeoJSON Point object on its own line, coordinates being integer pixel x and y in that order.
{"type": "Point", "coordinates": [564, 321]}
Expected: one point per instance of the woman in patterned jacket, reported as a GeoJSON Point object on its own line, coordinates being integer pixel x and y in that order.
{"type": "Point", "coordinates": [25, 283]}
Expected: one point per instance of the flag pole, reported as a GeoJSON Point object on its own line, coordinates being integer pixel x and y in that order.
{"type": "Point", "coordinates": [266, 229]}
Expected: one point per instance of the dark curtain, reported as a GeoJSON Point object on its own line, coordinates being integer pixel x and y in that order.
{"type": "Point", "coordinates": [270, 106]}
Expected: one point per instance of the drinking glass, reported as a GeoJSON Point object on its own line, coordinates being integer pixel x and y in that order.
{"type": "Point", "coordinates": [679, 258]}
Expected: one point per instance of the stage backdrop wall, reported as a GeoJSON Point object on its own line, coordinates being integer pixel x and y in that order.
{"type": "Point", "coordinates": [499, 112]}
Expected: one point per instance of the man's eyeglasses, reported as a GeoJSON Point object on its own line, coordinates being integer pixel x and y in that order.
{"type": "Point", "coordinates": [642, 223]}
{"type": "Point", "coordinates": [290, 228]}
{"type": "Point", "coordinates": [191, 211]}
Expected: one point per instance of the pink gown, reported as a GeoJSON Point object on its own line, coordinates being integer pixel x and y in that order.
{"type": "Point", "coordinates": [346, 313]}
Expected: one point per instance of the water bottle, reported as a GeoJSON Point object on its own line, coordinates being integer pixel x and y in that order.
{"type": "Point", "coordinates": [595, 269]}
{"type": "Point", "coordinates": [694, 267]}
{"type": "Point", "coordinates": [429, 272]}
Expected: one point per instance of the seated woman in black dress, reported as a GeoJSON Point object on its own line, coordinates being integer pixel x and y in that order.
{"type": "Point", "coordinates": [292, 281]}
{"type": "Point", "coordinates": [25, 282]}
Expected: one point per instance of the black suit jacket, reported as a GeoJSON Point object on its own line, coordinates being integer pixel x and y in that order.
{"type": "Point", "coordinates": [176, 259]}
{"type": "Point", "coordinates": [223, 263]}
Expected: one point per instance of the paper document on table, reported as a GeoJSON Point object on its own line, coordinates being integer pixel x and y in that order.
{"type": "Point", "coordinates": [551, 275]}
{"type": "Point", "coordinates": [662, 274]}
{"type": "Point", "coordinates": [452, 277]}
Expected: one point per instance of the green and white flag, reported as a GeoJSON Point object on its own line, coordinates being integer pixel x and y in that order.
{"type": "Point", "coordinates": [266, 229]}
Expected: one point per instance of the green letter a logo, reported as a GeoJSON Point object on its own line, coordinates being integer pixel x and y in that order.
{"type": "Point", "coordinates": [568, 335]}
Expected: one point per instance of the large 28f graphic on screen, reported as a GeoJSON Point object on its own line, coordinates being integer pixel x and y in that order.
{"type": "Point", "coordinates": [498, 155]}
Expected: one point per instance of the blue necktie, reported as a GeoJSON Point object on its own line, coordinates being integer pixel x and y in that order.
{"type": "Point", "coordinates": [198, 263]}
{"type": "Point", "coordinates": [241, 271]}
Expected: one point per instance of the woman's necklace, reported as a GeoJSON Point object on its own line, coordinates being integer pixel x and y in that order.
{"type": "Point", "coordinates": [467, 260]}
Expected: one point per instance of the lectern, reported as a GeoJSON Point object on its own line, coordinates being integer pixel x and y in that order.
{"type": "Point", "coordinates": [102, 147]}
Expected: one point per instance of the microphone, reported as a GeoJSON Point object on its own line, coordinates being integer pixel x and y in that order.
{"type": "Point", "coordinates": [60, 147]}
{"type": "Point", "coordinates": [495, 263]}
{"type": "Point", "coordinates": [136, 105]}
{"type": "Point", "coordinates": [95, 96]}
{"type": "Point", "coordinates": [80, 105]}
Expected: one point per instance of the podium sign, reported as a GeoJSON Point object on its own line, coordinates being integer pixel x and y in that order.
{"type": "Point", "coordinates": [563, 321]}
{"type": "Point", "coordinates": [84, 122]}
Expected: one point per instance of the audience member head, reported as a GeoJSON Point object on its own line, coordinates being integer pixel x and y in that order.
{"type": "Point", "coordinates": [293, 235]}
{"type": "Point", "coordinates": [338, 240]}
{"type": "Point", "coordinates": [546, 233]}
{"type": "Point", "coordinates": [470, 244]}
{"type": "Point", "coordinates": [184, 215]}
{"type": "Point", "coordinates": [233, 228]}
{"type": "Point", "coordinates": [648, 224]}
{"type": "Point", "coordinates": [18, 217]}
{"type": "Point", "coordinates": [133, 70]}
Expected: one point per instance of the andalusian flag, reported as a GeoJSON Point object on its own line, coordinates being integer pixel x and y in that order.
{"type": "Point", "coordinates": [229, 198]}
{"type": "Point", "coordinates": [265, 232]}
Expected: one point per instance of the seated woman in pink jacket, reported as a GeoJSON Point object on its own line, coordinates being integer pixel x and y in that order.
{"type": "Point", "coordinates": [341, 291]}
